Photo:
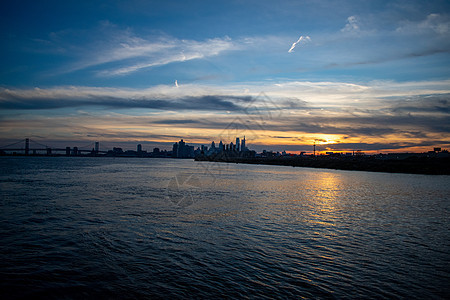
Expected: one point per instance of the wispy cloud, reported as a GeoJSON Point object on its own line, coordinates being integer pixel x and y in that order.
{"type": "Point", "coordinates": [112, 51]}
{"type": "Point", "coordinates": [289, 95]}
{"type": "Point", "coordinates": [302, 39]}
{"type": "Point", "coordinates": [352, 25]}
{"type": "Point", "coordinates": [436, 23]}
{"type": "Point", "coordinates": [171, 51]}
{"type": "Point", "coordinates": [64, 97]}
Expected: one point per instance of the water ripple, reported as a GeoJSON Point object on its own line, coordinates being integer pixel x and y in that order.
{"type": "Point", "coordinates": [104, 228]}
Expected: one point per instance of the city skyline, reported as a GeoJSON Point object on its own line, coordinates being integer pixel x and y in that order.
{"type": "Point", "coordinates": [342, 75]}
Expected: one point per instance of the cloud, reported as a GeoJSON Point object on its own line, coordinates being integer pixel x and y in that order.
{"type": "Point", "coordinates": [39, 99]}
{"type": "Point", "coordinates": [381, 146]}
{"type": "Point", "coordinates": [303, 39]}
{"type": "Point", "coordinates": [177, 121]}
{"type": "Point", "coordinates": [173, 51]}
{"type": "Point", "coordinates": [377, 112]}
{"type": "Point", "coordinates": [352, 25]}
{"type": "Point", "coordinates": [111, 51]}
{"type": "Point", "coordinates": [392, 41]}
{"type": "Point", "coordinates": [393, 57]}
{"type": "Point", "coordinates": [288, 96]}
{"type": "Point", "coordinates": [433, 23]}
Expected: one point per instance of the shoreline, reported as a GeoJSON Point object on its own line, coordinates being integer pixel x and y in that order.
{"type": "Point", "coordinates": [412, 165]}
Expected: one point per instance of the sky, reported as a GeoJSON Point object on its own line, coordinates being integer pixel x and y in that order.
{"type": "Point", "coordinates": [344, 75]}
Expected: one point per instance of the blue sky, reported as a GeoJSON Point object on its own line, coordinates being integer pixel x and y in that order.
{"type": "Point", "coordinates": [372, 75]}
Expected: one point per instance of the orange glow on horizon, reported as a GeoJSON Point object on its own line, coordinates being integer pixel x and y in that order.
{"type": "Point", "coordinates": [137, 129]}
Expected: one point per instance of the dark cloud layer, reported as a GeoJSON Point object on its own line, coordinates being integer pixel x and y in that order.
{"type": "Point", "coordinates": [418, 117]}
{"type": "Point", "coordinates": [377, 146]}
{"type": "Point", "coordinates": [204, 103]}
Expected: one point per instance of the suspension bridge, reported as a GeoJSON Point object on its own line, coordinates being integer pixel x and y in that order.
{"type": "Point", "coordinates": [31, 147]}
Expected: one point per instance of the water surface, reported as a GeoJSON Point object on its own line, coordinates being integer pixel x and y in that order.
{"type": "Point", "coordinates": [163, 228]}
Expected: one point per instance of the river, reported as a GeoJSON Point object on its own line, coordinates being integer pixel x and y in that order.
{"type": "Point", "coordinates": [75, 227]}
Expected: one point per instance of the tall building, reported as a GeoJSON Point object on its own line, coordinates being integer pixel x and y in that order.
{"type": "Point", "coordinates": [97, 147]}
{"type": "Point", "coordinates": [221, 146]}
{"type": "Point", "coordinates": [139, 148]}
{"type": "Point", "coordinates": [238, 143]}
{"type": "Point", "coordinates": [175, 150]}
{"type": "Point", "coordinates": [182, 150]}
{"type": "Point", "coordinates": [243, 144]}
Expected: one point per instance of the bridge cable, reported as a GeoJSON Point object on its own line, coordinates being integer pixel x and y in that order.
{"type": "Point", "coordinates": [21, 141]}
{"type": "Point", "coordinates": [87, 146]}
{"type": "Point", "coordinates": [39, 144]}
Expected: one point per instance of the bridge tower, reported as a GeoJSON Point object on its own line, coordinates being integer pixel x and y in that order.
{"type": "Point", "coordinates": [27, 146]}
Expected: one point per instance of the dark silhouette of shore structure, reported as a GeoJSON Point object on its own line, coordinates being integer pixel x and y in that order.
{"type": "Point", "coordinates": [435, 162]}
{"type": "Point", "coordinates": [414, 164]}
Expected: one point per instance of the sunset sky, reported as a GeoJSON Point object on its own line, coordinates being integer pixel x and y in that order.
{"type": "Point", "coordinates": [346, 75]}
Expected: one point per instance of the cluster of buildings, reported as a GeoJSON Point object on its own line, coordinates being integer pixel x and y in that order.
{"type": "Point", "coordinates": [237, 148]}
{"type": "Point", "coordinates": [116, 151]}
{"type": "Point", "coordinates": [183, 150]}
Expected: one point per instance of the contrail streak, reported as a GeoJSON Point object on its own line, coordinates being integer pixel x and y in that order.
{"type": "Point", "coordinates": [301, 38]}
